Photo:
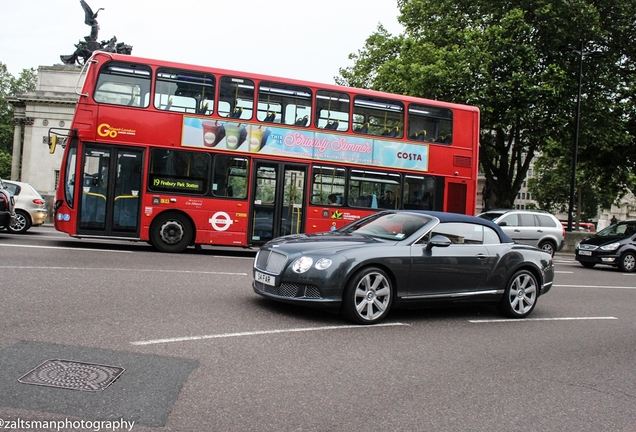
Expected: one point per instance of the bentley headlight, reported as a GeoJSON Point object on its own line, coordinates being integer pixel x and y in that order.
{"type": "Point", "coordinates": [302, 264]}
{"type": "Point", "coordinates": [611, 247]}
{"type": "Point", "coordinates": [323, 263]}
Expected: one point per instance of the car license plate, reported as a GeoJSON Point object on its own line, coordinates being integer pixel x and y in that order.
{"type": "Point", "coordinates": [264, 278]}
{"type": "Point", "coordinates": [587, 253]}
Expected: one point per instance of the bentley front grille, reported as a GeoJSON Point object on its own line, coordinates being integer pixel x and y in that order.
{"type": "Point", "coordinates": [270, 261]}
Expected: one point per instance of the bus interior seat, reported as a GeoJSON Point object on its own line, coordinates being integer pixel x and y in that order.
{"type": "Point", "coordinates": [332, 125]}
{"type": "Point", "coordinates": [363, 128]}
{"type": "Point", "coordinates": [362, 201]}
{"type": "Point", "coordinates": [302, 121]}
{"type": "Point", "coordinates": [269, 118]}
{"type": "Point", "coordinates": [237, 112]}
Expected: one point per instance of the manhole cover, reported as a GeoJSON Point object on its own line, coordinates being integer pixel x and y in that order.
{"type": "Point", "coordinates": [72, 375]}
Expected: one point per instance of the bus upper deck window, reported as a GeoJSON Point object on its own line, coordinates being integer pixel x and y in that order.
{"type": "Point", "coordinates": [432, 124]}
{"type": "Point", "coordinates": [236, 98]}
{"type": "Point", "coordinates": [332, 110]}
{"type": "Point", "coordinates": [284, 104]}
{"type": "Point", "coordinates": [376, 116]}
{"type": "Point", "coordinates": [123, 84]}
{"type": "Point", "coordinates": [185, 91]}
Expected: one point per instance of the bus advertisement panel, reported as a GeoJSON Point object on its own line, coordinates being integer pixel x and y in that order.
{"type": "Point", "coordinates": [317, 145]}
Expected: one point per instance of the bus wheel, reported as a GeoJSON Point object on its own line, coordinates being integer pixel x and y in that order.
{"type": "Point", "coordinates": [171, 232]}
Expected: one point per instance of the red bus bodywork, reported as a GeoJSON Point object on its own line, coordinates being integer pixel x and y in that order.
{"type": "Point", "coordinates": [101, 129]}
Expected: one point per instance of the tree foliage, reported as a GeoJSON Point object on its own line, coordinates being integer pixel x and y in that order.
{"type": "Point", "coordinates": [11, 86]}
{"type": "Point", "coordinates": [504, 58]}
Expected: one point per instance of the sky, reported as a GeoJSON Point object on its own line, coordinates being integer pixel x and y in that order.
{"type": "Point", "coordinates": [303, 39]}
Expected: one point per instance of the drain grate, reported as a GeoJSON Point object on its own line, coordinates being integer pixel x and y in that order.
{"type": "Point", "coordinates": [72, 375]}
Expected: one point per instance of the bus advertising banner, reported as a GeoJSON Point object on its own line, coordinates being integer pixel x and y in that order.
{"type": "Point", "coordinates": [323, 146]}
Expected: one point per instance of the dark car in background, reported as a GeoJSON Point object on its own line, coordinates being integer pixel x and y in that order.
{"type": "Point", "coordinates": [30, 207]}
{"type": "Point", "coordinates": [614, 246]}
{"type": "Point", "coordinates": [7, 206]}
{"type": "Point", "coordinates": [394, 258]}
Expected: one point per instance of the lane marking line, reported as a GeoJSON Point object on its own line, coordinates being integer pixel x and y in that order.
{"type": "Point", "coordinates": [65, 248]}
{"type": "Point", "coordinates": [511, 320]}
{"type": "Point", "coordinates": [594, 286]}
{"type": "Point", "coordinates": [124, 269]}
{"type": "Point", "coordinates": [263, 332]}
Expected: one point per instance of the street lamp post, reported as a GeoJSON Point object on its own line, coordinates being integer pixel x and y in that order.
{"type": "Point", "coordinates": [575, 152]}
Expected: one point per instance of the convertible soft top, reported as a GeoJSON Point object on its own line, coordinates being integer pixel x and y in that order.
{"type": "Point", "coordinates": [456, 217]}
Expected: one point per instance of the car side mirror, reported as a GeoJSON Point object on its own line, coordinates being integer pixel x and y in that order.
{"type": "Point", "coordinates": [438, 241]}
{"type": "Point", "coordinates": [502, 224]}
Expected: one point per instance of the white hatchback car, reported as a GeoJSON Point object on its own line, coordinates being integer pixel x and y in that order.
{"type": "Point", "coordinates": [30, 207]}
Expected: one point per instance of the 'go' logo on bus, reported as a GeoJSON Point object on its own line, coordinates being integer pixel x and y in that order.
{"type": "Point", "coordinates": [105, 130]}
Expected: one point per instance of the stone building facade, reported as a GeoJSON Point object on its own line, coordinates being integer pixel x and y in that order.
{"type": "Point", "coordinates": [51, 105]}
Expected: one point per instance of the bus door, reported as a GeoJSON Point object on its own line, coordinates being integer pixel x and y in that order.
{"type": "Point", "coordinates": [456, 198]}
{"type": "Point", "coordinates": [110, 191]}
{"type": "Point", "coordinates": [278, 200]}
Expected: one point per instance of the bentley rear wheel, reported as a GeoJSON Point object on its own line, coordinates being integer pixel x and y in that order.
{"type": "Point", "coordinates": [520, 295]}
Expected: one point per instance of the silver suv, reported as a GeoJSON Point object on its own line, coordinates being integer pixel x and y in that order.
{"type": "Point", "coordinates": [532, 227]}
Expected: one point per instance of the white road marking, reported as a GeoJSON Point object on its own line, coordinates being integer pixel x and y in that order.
{"type": "Point", "coordinates": [262, 332]}
{"type": "Point", "coordinates": [512, 320]}
{"type": "Point", "coordinates": [124, 269]}
{"type": "Point", "coordinates": [65, 248]}
{"type": "Point", "coordinates": [595, 286]}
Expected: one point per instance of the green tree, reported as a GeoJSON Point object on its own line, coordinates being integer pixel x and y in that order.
{"type": "Point", "coordinates": [504, 58]}
{"type": "Point", "coordinates": [10, 86]}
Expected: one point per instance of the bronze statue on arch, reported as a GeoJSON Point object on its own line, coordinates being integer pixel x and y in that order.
{"type": "Point", "coordinates": [84, 49]}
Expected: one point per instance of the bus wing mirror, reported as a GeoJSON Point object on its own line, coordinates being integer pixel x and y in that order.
{"type": "Point", "coordinates": [52, 143]}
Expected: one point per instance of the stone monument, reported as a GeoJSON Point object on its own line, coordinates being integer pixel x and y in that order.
{"type": "Point", "coordinates": [84, 49]}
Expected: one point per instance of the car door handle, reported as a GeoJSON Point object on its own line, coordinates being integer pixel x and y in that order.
{"type": "Point", "coordinates": [482, 256]}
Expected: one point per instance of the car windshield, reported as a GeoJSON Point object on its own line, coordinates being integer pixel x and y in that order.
{"type": "Point", "coordinates": [390, 226]}
{"type": "Point", "coordinates": [621, 229]}
{"type": "Point", "coordinates": [490, 216]}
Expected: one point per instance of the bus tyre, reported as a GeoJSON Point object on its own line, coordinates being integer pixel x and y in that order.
{"type": "Point", "coordinates": [171, 232]}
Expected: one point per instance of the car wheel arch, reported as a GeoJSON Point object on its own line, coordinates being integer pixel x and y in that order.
{"type": "Point", "coordinates": [353, 272]}
{"type": "Point", "coordinates": [536, 272]}
{"type": "Point", "coordinates": [351, 309]}
{"type": "Point", "coordinates": [23, 227]}
{"type": "Point", "coordinates": [551, 241]}
{"type": "Point", "coordinates": [621, 263]}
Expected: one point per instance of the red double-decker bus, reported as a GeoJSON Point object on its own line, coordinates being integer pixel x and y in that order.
{"type": "Point", "coordinates": [180, 155]}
